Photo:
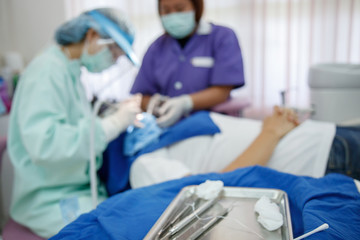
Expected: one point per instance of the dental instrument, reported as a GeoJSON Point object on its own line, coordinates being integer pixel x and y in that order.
{"type": "Point", "coordinates": [184, 222]}
{"type": "Point", "coordinates": [210, 224]}
{"type": "Point", "coordinates": [178, 216]}
{"type": "Point", "coordinates": [93, 172]}
{"type": "Point", "coordinates": [321, 228]}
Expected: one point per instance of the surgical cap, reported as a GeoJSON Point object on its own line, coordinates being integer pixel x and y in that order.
{"type": "Point", "coordinates": [74, 30]}
{"type": "Point", "coordinates": [107, 22]}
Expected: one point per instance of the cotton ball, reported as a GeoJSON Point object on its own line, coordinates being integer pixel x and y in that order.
{"type": "Point", "coordinates": [269, 214]}
{"type": "Point", "coordinates": [209, 189]}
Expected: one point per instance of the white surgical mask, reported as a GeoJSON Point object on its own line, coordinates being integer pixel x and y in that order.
{"type": "Point", "coordinates": [99, 61]}
{"type": "Point", "coordinates": [179, 25]}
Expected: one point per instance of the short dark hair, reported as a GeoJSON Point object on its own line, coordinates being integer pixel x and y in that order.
{"type": "Point", "coordinates": [198, 6]}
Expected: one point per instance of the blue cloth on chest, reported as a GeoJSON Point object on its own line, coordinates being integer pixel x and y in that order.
{"type": "Point", "coordinates": [332, 199]}
{"type": "Point", "coordinates": [138, 138]}
{"type": "Point", "coordinates": [115, 170]}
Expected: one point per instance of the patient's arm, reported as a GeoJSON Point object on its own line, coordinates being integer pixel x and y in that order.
{"type": "Point", "coordinates": [274, 128]}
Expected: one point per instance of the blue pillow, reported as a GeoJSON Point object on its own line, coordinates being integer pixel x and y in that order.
{"type": "Point", "coordinates": [115, 170]}
{"type": "Point", "coordinates": [196, 124]}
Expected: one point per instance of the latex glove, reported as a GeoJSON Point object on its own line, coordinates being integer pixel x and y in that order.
{"type": "Point", "coordinates": [154, 104]}
{"type": "Point", "coordinates": [124, 116]}
{"type": "Point", "coordinates": [173, 109]}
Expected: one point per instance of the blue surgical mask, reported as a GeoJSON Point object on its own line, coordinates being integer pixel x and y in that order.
{"type": "Point", "coordinates": [98, 62]}
{"type": "Point", "coordinates": [179, 25]}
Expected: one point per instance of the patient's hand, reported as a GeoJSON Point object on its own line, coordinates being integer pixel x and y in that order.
{"type": "Point", "coordinates": [281, 122]}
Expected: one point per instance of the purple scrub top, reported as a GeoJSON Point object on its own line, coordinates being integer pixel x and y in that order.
{"type": "Point", "coordinates": [212, 57]}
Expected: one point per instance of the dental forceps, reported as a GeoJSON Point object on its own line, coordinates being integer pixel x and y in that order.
{"type": "Point", "coordinates": [210, 224]}
{"type": "Point", "coordinates": [178, 216]}
{"type": "Point", "coordinates": [185, 221]}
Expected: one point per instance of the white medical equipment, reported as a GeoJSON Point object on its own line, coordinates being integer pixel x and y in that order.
{"type": "Point", "coordinates": [321, 228]}
{"type": "Point", "coordinates": [335, 92]}
{"type": "Point", "coordinates": [93, 171]}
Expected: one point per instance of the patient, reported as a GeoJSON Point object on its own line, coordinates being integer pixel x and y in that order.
{"type": "Point", "coordinates": [311, 148]}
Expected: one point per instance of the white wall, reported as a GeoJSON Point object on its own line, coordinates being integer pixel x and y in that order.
{"type": "Point", "coordinates": [28, 26]}
{"type": "Point", "coordinates": [4, 33]}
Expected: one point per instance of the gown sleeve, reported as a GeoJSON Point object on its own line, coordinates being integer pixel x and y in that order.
{"type": "Point", "coordinates": [228, 68]}
{"type": "Point", "coordinates": [53, 126]}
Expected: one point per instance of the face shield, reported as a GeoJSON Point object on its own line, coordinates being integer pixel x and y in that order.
{"type": "Point", "coordinates": [111, 46]}
{"type": "Point", "coordinates": [115, 40]}
{"type": "Point", "coordinates": [119, 42]}
{"type": "Point", "coordinates": [105, 53]}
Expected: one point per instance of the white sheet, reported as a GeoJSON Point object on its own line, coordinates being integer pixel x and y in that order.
{"type": "Point", "coordinates": [304, 151]}
{"type": "Point", "coordinates": [357, 183]}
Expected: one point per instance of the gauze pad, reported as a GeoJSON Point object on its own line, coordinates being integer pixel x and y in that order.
{"type": "Point", "coordinates": [269, 214]}
{"type": "Point", "coordinates": [209, 189]}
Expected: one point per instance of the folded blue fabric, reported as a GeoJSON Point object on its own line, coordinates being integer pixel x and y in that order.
{"type": "Point", "coordinates": [332, 199]}
{"type": "Point", "coordinates": [138, 138]}
{"type": "Point", "coordinates": [115, 170]}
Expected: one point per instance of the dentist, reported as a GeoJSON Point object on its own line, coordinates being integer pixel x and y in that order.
{"type": "Point", "coordinates": [50, 122]}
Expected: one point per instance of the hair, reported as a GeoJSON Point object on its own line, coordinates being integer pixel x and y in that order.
{"type": "Point", "coordinates": [198, 6]}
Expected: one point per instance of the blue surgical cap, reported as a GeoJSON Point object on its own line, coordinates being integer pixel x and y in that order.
{"type": "Point", "coordinates": [107, 22]}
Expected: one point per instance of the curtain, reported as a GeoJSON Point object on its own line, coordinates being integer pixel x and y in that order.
{"type": "Point", "coordinates": [280, 40]}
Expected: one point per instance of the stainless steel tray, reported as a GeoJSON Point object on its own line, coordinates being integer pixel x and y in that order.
{"type": "Point", "coordinates": [241, 201]}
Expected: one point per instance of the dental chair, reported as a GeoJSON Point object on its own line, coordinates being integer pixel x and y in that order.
{"type": "Point", "coordinates": [9, 229]}
{"type": "Point", "coordinates": [335, 93]}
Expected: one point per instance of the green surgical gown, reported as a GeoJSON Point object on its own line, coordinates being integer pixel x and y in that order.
{"type": "Point", "coordinates": [49, 138]}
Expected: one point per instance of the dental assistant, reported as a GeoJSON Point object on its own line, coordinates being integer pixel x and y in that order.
{"type": "Point", "coordinates": [50, 122]}
{"type": "Point", "coordinates": [194, 65]}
